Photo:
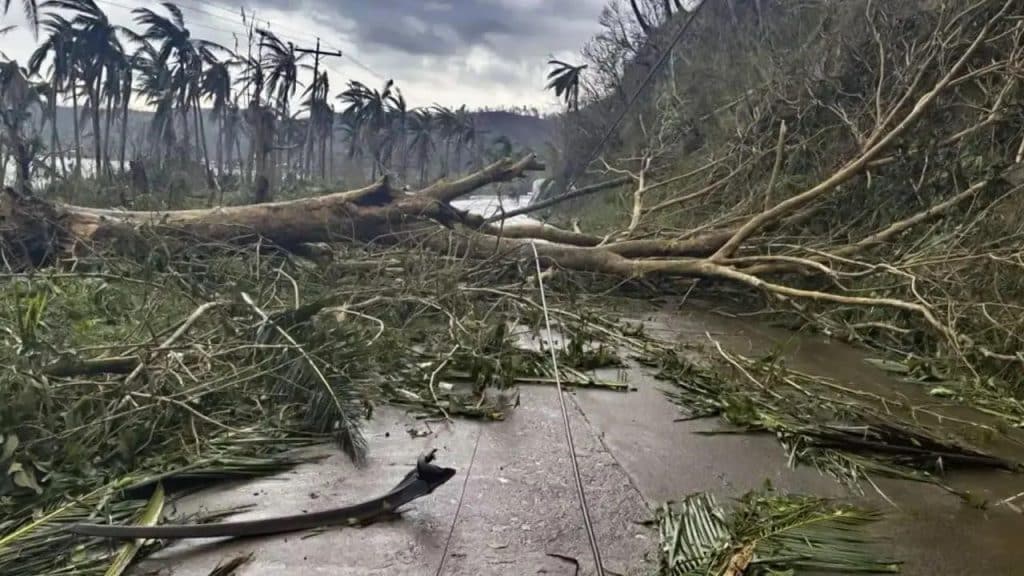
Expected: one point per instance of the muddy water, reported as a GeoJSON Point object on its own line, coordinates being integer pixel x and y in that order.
{"type": "Point", "coordinates": [489, 205]}
{"type": "Point", "coordinates": [930, 530]}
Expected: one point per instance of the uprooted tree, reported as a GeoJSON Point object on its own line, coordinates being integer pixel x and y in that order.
{"type": "Point", "coordinates": [969, 54]}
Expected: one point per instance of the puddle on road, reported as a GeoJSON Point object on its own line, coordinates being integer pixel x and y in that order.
{"type": "Point", "coordinates": [932, 531]}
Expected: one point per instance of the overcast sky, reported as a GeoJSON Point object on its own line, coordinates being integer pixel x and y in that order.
{"type": "Point", "coordinates": [451, 52]}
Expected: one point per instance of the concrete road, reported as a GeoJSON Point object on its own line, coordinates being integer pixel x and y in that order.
{"type": "Point", "coordinates": [519, 514]}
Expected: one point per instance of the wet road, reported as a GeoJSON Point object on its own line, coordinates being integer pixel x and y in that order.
{"type": "Point", "coordinates": [519, 513]}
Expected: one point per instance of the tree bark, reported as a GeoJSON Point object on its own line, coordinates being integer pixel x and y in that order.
{"type": "Point", "coordinates": [96, 134]}
{"type": "Point", "coordinates": [38, 231]}
{"type": "Point", "coordinates": [124, 132]}
{"type": "Point", "coordinates": [78, 132]}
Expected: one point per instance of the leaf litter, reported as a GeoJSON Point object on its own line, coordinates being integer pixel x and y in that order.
{"type": "Point", "coordinates": [213, 364]}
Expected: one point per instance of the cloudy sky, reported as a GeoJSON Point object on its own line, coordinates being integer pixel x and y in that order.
{"type": "Point", "coordinates": [451, 52]}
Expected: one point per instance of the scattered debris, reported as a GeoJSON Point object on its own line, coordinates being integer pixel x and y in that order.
{"type": "Point", "coordinates": [157, 385]}
{"type": "Point", "coordinates": [846, 433]}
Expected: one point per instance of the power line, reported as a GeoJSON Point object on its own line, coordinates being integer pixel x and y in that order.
{"type": "Point", "coordinates": [647, 80]}
{"type": "Point", "coordinates": [229, 10]}
{"type": "Point", "coordinates": [238, 28]}
{"type": "Point", "coordinates": [580, 492]}
{"type": "Point", "coordinates": [190, 24]}
{"type": "Point", "coordinates": [252, 14]}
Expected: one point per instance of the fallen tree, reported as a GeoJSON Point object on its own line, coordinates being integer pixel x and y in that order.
{"type": "Point", "coordinates": [768, 212]}
{"type": "Point", "coordinates": [736, 249]}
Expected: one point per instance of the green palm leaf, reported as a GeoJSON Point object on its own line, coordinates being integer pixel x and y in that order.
{"type": "Point", "coordinates": [767, 533]}
{"type": "Point", "coordinates": [150, 517]}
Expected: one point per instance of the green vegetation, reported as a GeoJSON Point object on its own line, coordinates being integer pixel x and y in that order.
{"type": "Point", "coordinates": [851, 434]}
{"type": "Point", "coordinates": [217, 363]}
{"type": "Point", "coordinates": [857, 196]}
{"type": "Point", "coordinates": [850, 168]}
{"type": "Point", "coordinates": [766, 534]}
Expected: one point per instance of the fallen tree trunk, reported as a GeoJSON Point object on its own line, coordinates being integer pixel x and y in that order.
{"type": "Point", "coordinates": [34, 231]}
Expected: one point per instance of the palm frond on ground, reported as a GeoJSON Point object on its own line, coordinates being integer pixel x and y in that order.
{"type": "Point", "coordinates": [819, 425]}
{"type": "Point", "coordinates": [767, 533]}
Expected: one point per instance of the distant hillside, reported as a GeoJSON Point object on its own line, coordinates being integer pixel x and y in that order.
{"type": "Point", "coordinates": [530, 131]}
{"type": "Point", "coordinates": [523, 130]}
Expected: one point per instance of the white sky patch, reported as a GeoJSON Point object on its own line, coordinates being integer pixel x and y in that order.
{"type": "Point", "coordinates": [481, 60]}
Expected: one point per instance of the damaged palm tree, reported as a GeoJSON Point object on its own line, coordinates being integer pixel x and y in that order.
{"type": "Point", "coordinates": [736, 250]}
{"type": "Point", "coordinates": [17, 98]}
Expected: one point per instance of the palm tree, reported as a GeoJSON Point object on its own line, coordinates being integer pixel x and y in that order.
{"type": "Point", "coordinates": [64, 43]}
{"type": "Point", "coordinates": [125, 96]}
{"type": "Point", "coordinates": [466, 136]}
{"type": "Point", "coordinates": [321, 121]}
{"type": "Point", "coordinates": [253, 83]}
{"type": "Point", "coordinates": [231, 121]}
{"type": "Point", "coordinates": [369, 112]}
{"type": "Point", "coordinates": [564, 79]}
{"type": "Point", "coordinates": [282, 64]}
{"type": "Point", "coordinates": [188, 56]}
{"type": "Point", "coordinates": [446, 123]}
{"type": "Point", "coordinates": [18, 96]}
{"type": "Point", "coordinates": [98, 56]}
{"type": "Point", "coordinates": [460, 128]}
{"type": "Point", "coordinates": [59, 45]}
{"type": "Point", "coordinates": [327, 118]}
{"type": "Point", "coordinates": [216, 86]}
{"type": "Point", "coordinates": [396, 130]}
{"type": "Point", "coordinates": [112, 92]}
{"type": "Point", "coordinates": [48, 99]}
{"type": "Point", "coordinates": [155, 84]}
{"type": "Point", "coordinates": [328, 127]}
{"type": "Point", "coordinates": [350, 132]}
{"type": "Point", "coordinates": [421, 142]}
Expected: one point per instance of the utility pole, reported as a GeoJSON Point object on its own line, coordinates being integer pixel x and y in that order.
{"type": "Point", "coordinates": [317, 52]}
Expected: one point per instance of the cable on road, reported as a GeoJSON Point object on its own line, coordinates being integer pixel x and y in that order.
{"type": "Point", "coordinates": [587, 523]}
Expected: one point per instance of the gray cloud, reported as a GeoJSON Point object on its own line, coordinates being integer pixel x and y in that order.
{"type": "Point", "coordinates": [492, 51]}
{"type": "Point", "coordinates": [477, 52]}
{"type": "Point", "coordinates": [449, 26]}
